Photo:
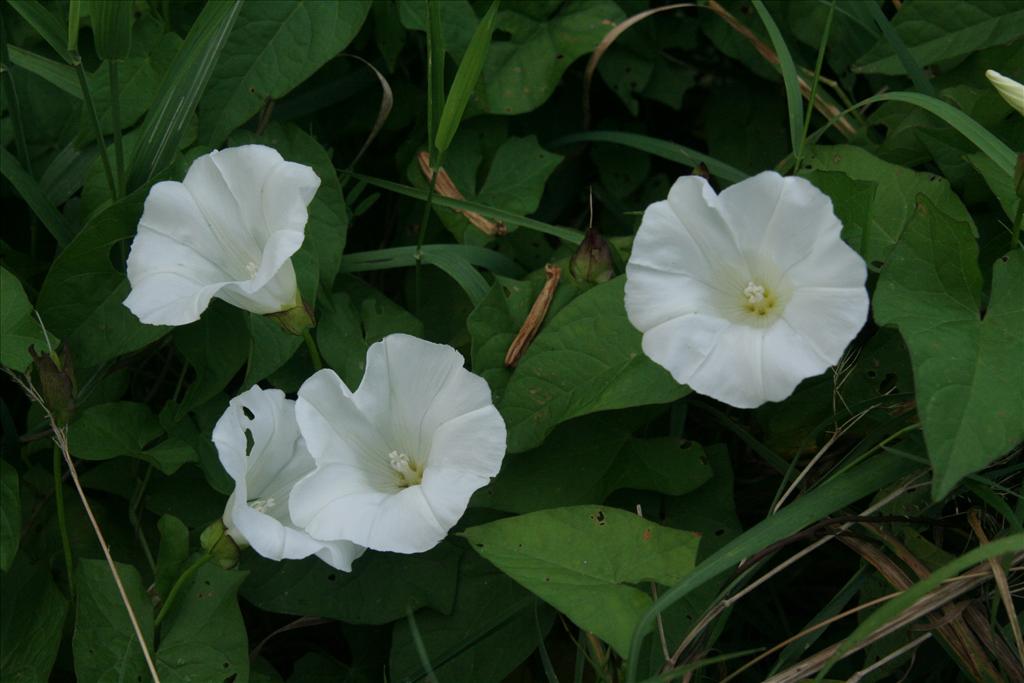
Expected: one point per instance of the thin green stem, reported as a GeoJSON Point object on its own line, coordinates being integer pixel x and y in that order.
{"type": "Point", "coordinates": [91, 106]}
{"type": "Point", "coordinates": [58, 495]}
{"type": "Point", "coordinates": [424, 223]}
{"type": "Point", "coordinates": [814, 87]}
{"type": "Point", "coordinates": [178, 585]}
{"type": "Point", "coordinates": [421, 649]}
{"type": "Point", "coordinates": [314, 353]}
{"type": "Point", "coordinates": [1017, 222]}
{"type": "Point", "coordinates": [133, 517]}
{"type": "Point", "coordinates": [115, 118]}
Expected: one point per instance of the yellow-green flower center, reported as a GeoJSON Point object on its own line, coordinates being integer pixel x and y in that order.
{"type": "Point", "coordinates": [758, 299]}
{"type": "Point", "coordinates": [410, 473]}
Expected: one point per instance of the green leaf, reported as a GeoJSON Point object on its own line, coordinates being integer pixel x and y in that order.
{"type": "Point", "coordinates": [910, 65]}
{"type": "Point", "coordinates": [105, 646]}
{"type": "Point", "coordinates": [585, 460]}
{"type": "Point", "coordinates": [18, 327]}
{"type": "Point", "coordinates": [81, 298]}
{"type": "Point", "coordinates": [489, 632]}
{"type": "Point", "coordinates": [794, 100]}
{"type": "Point", "coordinates": [967, 370]}
{"type": "Point", "coordinates": [404, 257]}
{"type": "Point", "coordinates": [112, 28]}
{"type": "Point", "coordinates": [659, 148]}
{"type": "Point", "coordinates": [466, 79]}
{"type": "Point", "coordinates": [989, 144]}
{"type": "Point", "coordinates": [29, 189]}
{"type": "Point", "coordinates": [49, 27]}
{"type": "Point", "coordinates": [274, 47]}
{"type": "Point", "coordinates": [581, 561]}
{"type": "Point", "coordinates": [60, 75]}
{"type": "Point", "coordinates": [110, 430]}
{"type": "Point", "coordinates": [180, 90]}
{"type": "Point", "coordinates": [997, 181]}
{"type": "Point", "coordinates": [935, 31]}
{"type": "Point", "coordinates": [894, 199]}
{"type": "Point", "coordinates": [204, 638]}
{"type": "Point", "coordinates": [10, 515]}
{"type": "Point", "coordinates": [170, 559]}
{"type": "Point", "coordinates": [31, 622]}
{"type": "Point", "coordinates": [270, 347]}
{"type": "Point", "coordinates": [214, 347]}
{"type": "Point", "coordinates": [521, 73]}
{"type": "Point", "coordinates": [327, 228]}
{"type": "Point", "coordinates": [585, 359]}
{"type": "Point", "coordinates": [380, 588]}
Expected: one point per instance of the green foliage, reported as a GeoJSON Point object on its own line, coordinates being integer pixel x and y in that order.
{"type": "Point", "coordinates": [581, 560]}
{"type": "Point", "coordinates": [105, 646]}
{"type": "Point", "coordinates": [629, 515]}
{"type": "Point", "coordinates": [970, 383]}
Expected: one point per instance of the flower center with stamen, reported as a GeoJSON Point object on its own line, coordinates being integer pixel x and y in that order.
{"type": "Point", "coordinates": [758, 299]}
{"type": "Point", "coordinates": [251, 267]}
{"type": "Point", "coordinates": [262, 504]}
{"type": "Point", "coordinates": [410, 473]}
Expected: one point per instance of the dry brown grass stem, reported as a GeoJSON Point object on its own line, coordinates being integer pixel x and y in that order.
{"type": "Point", "coordinates": [445, 187]}
{"type": "Point", "coordinates": [827, 109]}
{"type": "Point", "coordinates": [948, 624]}
{"type": "Point", "coordinates": [60, 437]}
{"type": "Point", "coordinates": [718, 608]}
{"type": "Point", "coordinates": [535, 318]}
{"type": "Point", "coordinates": [938, 598]}
{"type": "Point", "coordinates": [843, 428]}
{"type": "Point", "coordinates": [1002, 583]}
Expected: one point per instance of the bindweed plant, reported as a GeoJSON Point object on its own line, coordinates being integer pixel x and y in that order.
{"type": "Point", "coordinates": [517, 341]}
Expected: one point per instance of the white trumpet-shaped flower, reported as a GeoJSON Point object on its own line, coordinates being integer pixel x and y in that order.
{"type": "Point", "coordinates": [1009, 89]}
{"type": "Point", "coordinates": [743, 294]}
{"type": "Point", "coordinates": [260, 447]}
{"type": "Point", "coordinates": [398, 458]}
{"type": "Point", "coordinates": [228, 230]}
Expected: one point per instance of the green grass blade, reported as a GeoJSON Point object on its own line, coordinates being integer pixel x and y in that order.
{"type": "Point", "coordinates": [462, 271]}
{"type": "Point", "coordinates": [403, 257]}
{"type": "Point", "coordinates": [659, 148]}
{"type": "Point", "coordinates": [74, 15]}
{"type": "Point", "coordinates": [33, 194]}
{"type": "Point", "coordinates": [465, 80]}
{"type": "Point", "coordinates": [569, 235]}
{"type": "Point", "coordinates": [913, 69]}
{"type": "Point", "coordinates": [435, 74]}
{"type": "Point", "coordinates": [892, 609]}
{"type": "Point", "coordinates": [50, 28]}
{"type": "Point", "coordinates": [51, 71]}
{"type": "Point", "coordinates": [421, 650]}
{"type": "Point", "coordinates": [180, 90]}
{"type": "Point", "coordinates": [989, 144]}
{"type": "Point", "coordinates": [794, 100]}
{"type": "Point", "coordinates": [112, 29]}
{"type": "Point", "coordinates": [860, 481]}
{"type": "Point", "coordinates": [798, 155]}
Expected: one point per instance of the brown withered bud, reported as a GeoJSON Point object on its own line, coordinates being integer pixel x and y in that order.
{"type": "Point", "coordinates": [56, 382]}
{"type": "Point", "coordinates": [535, 318]}
{"type": "Point", "coordinates": [592, 261]}
{"type": "Point", "coordinates": [444, 186]}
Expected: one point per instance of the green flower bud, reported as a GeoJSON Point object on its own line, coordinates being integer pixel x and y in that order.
{"type": "Point", "coordinates": [216, 541]}
{"type": "Point", "coordinates": [295, 320]}
{"type": "Point", "coordinates": [592, 261]}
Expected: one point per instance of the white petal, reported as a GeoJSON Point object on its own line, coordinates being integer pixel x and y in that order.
{"type": "Point", "coordinates": [686, 233]}
{"type": "Point", "coordinates": [245, 172]}
{"type": "Point", "coordinates": [1009, 89]}
{"type": "Point", "coordinates": [287, 193]}
{"type": "Point", "coordinates": [832, 263]}
{"type": "Point", "coordinates": [656, 296]}
{"type": "Point", "coordinates": [331, 506]}
{"type": "Point", "coordinates": [336, 432]}
{"type": "Point", "coordinates": [269, 291]}
{"type": "Point", "coordinates": [268, 472]}
{"type": "Point", "coordinates": [411, 387]}
{"type": "Point", "coordinates": [783, 217]}
{"type": "Point", "coordinates": [682, 345]}
{"type": "Point", "coordinates": [733, 371]}
{"type": "Point", "coordinates": [828, 318]}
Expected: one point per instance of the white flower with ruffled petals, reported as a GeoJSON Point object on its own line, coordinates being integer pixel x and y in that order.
{"type": "Point", "coordinates": [260, 447]}
{"type": "Point", "coordinates": [398, 459]}
{"type": "Point", "coordinates": [743, 294]}
{"type": "Point", "coordinates": [228, 230]}
{"type": "Point", "coordinates": [1009, 89]}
